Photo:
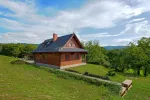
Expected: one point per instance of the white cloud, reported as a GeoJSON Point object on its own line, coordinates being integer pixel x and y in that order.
{"type": "Point", "coordinates": [99, 14]}
{"type": "Point", "coordinates": [11, 24]}
{"type": "Point", "coordinates": [16, 37]}
{"type": "Point", "coordinates": [95, 14]}
{"type": "Point", "coordinates": [139, 28]}
{"type": "Point", "coordinates": [19, 8]}
{"type": "Point", "coordinates": [136, 20]}
{"type": "Point", "coordinates": [123, 40]}
{"type": "Point", "coordinates": [99, 35]}
{"type": "Point", "coordinates": [133, 32]}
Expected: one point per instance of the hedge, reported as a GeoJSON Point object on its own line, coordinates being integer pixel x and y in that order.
{"type": "Point", "coordinates": [97, 76]}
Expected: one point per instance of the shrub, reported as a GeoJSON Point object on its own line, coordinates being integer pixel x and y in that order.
{"type": "Point", "coordinates": [111, 73]}
{"type": "Point", "coordinates": [97, 76]}
{"type": "Point", "coordinates": [86, 73]}
{"type": "Point", "coordinates": [18, 62]}
{"type": "Point", "coordinates": [17, 50]}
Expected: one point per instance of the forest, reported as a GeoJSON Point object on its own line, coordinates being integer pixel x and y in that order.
{"type": "Point", "coordinates": [18, 50]}
{"type": "Point", "coordinates": [135, 56]}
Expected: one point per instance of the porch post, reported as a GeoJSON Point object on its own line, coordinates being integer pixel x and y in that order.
{"type": "Point", "coordinates": [34, 58]}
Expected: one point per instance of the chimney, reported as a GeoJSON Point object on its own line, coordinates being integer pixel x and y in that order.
{"type": "Point", "coordinates": [55, 37]}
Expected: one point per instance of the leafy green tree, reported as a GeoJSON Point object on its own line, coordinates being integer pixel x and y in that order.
{"type": "Point", "coordinates": [96, 54]}
{"type": "Point", "coordinates": [144, 43]}
{"type": "Point", "coordinates": [17, 50]}
{"type": "Point", "coordinates": [138, 58]}
{"type": "Point", "coordinates": [118, 59]}
{"type": "Point", "coordinates": [135, 56]}
{"type": "Point", "coordinates": [27, 49]}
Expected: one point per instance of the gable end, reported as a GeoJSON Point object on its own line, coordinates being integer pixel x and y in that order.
{"type": "Point", "coordinates": [73, 42]}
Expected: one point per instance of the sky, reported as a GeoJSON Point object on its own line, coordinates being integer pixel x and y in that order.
{"type": "Point", "coordinates": [111, 22]}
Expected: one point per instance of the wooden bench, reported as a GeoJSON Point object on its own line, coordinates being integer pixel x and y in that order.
{"type": "Point", "coordinates": [123, 91]}
{"type": "Point", "coordinates": [127, 84]}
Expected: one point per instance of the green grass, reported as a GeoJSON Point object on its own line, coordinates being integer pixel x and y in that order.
{"type": "Point", "coordinates": [26, 82]}
{"type": "Point", "coordinates": [141, 85]}
{"type": "Point", "coordinates": [95, 69]}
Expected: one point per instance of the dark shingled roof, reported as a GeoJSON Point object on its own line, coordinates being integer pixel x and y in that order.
{"type": "Point", "coordinates": [57, 46]}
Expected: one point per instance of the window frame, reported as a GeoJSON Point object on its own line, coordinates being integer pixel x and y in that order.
{"type": "Point", "coordinates": [43, 56]}
{"type": "Point", "coordinates": [74, 45]}
{"type": "Point", "coordinates": [67, 57]}
{"type": "Point", "coordinates": [77, 56]}
{"type": "Point", "coordinates": [70, 44]}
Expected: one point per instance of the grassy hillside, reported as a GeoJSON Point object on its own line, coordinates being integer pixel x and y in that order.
{"type": "Point", "coordinates": [141, 85]}
{"type": "Point", "coordinates": [20, 82]}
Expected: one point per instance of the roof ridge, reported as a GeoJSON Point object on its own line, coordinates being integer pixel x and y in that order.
{"type": "Point", "coordinates": [60, 36]}
{"type": "Point", "coordinates": [65, 35]}
{"type": "Point", "coordinates": [68, 39]}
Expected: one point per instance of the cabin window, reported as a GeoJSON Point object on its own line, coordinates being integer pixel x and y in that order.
{"type": "Point", "coordinates": [74, 45]}
{"type": "Point", "coordinates": [43, 56]}
{"type": "Point", "coordinates": [67, 57]}
{"type": "Point", "coordinates": [70, 44]}
{"type": "Point", "coordinates": [77, 56]}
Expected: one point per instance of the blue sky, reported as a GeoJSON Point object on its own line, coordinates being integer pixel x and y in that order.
{"type": "Point", "coordinates": [111, 22]}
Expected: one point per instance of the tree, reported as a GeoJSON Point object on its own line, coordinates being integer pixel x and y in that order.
{"type": "Point", "coordinates": [27, 49]}
{"type": "Point", "coordinates": [10, 50]}
{"type": "Point", "coordinates": [118, 59]}
{"type": "Point", "coordinates": [16, 50]}
{"type": "Point", "coordinates": [138, 58]}
{"type": "Point", "coordinates": [134, 56]}
{"type": "Point", "coordinates": [96, 54]}
{"type": "Point", "coordinates": [144, 43]}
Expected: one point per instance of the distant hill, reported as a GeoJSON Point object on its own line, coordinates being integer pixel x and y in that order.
{"type": "Point", "coordinates": [114, 47]}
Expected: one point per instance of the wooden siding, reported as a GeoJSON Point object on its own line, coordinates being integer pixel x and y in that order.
{"type": "Point", "coordinates": [72, 59]}
{"type": "Point", "coordinates": [58, 59]}
{"type": "Point", "coordinates": [48, 58]}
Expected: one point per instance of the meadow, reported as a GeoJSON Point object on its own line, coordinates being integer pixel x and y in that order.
{"type": "Point", "coordinates": [141, 85]}
{"type": "Point", "coordinates": [27, 82]}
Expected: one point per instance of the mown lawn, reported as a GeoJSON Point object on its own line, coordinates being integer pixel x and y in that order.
{"type": "Point", "coordinates": [141, 85]}
{"type": "Point", "coordinates": [26, 82]}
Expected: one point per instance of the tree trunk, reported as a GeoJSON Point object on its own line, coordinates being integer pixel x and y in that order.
{"type": "Point", "coordinates": [122, 70]}
{"type": "Point", "coordinates": [145, 72]}
{"type": "Point", "coordinates": [138, 72]}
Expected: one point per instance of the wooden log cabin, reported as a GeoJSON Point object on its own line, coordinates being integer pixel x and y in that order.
{"type": "Point", "coordinates": [60, 52]}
